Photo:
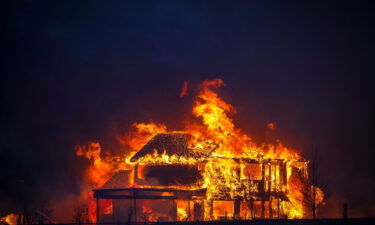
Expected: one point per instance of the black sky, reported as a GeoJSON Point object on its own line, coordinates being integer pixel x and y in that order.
{"type": "Point", "coordinates": [78, 71]}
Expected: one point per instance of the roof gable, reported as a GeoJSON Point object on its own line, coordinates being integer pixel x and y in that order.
{"type": "Point", "coordinates": [170, 143]}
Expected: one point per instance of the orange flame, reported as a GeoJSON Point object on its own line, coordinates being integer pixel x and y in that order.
{"type": "Point", "coordinates": [10, 219]}
{"type": "Point", "coordinates": [222, 149]}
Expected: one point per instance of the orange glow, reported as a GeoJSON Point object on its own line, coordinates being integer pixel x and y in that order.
{"type": "Point", "coordinates": [141, 134]}
{"type": "Point", "coordinates": [223, 210]}
{"type": "Point", "coordinates": [232, 165]}
{"type": "Point", "coordinates": [271, 126]}
{"type": "Point", "coordinates": [182, 210]}
{"type": "Point", "coordinates": [92, 210]}
{"type": "Point", "coordinates": [184, 89]}
{"type": "Point", "coordinates": [10, 219]}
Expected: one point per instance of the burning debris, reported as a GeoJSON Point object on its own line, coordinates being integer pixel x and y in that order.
{"type": "Point", "coordinates": [209, 171]}
{"type": "Point", "coordinates": [11, 219]}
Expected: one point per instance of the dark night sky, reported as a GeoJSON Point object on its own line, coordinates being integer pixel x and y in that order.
{"type": "Point", "coordinates": [77, 71]}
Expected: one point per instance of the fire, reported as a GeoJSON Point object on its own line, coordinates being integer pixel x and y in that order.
{"type": "Point", "coordinates": [10, 219]}
{"type": "Point", "coordinates": [233, 166]}
{"type": "Point", "coordinates": [271, 126]}
{"type": "Point", "coordinates": [141, 134]}
{"type": "Point", "coordinates": [182, 210]}
{"type": "Point", "coordinates": [102, 168]}
{"type": "Point", "coordinates": [184, 89]}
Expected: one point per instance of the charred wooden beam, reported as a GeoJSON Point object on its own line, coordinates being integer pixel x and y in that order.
{"type": "Point", "coordinates": [97, 210]}
{"type": "Point", "coordinates": [135, 207]}
{"type": "Point", "coordinates": [174, 210]}
{"type": "Point", "coordinates": [269, 191]}
{"type": "Point", "coordinates": [237, 209]}
{"type": "Point", "coordinates": [189, 210]}
{"type": "Point", "coordinates": [262, 189]}
{"type": "Point", "coordinates": [149, 193]}
{"type": "Point", "coordinates": [152, 189]}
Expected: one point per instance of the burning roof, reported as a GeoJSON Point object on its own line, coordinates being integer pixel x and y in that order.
{"type": "Point", "coordinates": [168, 143]}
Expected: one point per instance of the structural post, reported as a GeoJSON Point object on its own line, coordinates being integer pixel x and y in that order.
{"type": "Point", "coordinates": [262, 189]}
{"type": "Point", "coordinates": [211, 208]}
{"type": "Point", "coordinates": [135, 178]}
{"type": "Point", "coordinates": [276, 181]}
{"type": "Point", "coordinates": [135, 206]}
{"type": "Point", "coordinates": [189, 209]}
{"type": "Point", "coordinates": [285, 174]}
{"type": "Point", "coordinates": [174, 210]}
{"type": "Point", "coordinates": [198, 210]}
{"type": "Point", "coordinates": [269, 191]}
{"type": "Point", "coordinates": [97, 210]}
{"type": "Point", "coordinates": [270, 207]}
{"type": "Point", "coordinates": [237, 209]}
{"type": "Point", "coordinates": [252, 213]}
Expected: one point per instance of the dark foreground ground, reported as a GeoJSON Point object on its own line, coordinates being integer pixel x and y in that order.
{"type": "Point", "coordinates": [256, 222]}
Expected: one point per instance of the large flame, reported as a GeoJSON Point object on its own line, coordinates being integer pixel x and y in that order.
{"type": "Point", "coordinates": [103, 168]}
{"type": "Point", "coordinates": [220, 145]}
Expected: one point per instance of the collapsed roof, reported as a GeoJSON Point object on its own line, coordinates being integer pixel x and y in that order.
{"type": "Point", "coordinates": [170, 143]}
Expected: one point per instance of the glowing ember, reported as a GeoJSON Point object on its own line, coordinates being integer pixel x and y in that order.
{"type": "Point", "coordinates": [184, 89]}
{"type": "Point", "coordinates": [241, 178]}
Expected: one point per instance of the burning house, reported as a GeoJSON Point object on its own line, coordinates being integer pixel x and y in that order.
{"type": "Point", "coordinates": [209, 171]}
{"type": "Point", "coordinates": [174, 189]}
